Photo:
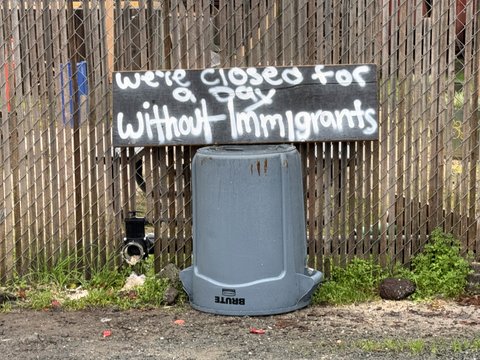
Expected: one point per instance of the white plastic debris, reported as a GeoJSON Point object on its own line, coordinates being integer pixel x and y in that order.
{"type": "Point", "coordinates": [133, 281]}
{"type": "Point", "coordinates": [77, 294]}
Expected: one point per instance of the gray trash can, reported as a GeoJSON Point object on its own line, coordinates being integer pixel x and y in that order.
{"type": "Point", "coordinates": [249, 241]}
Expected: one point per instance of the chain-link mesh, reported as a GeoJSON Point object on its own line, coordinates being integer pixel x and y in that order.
{"type": "Point", "coordinates": [65, 191]}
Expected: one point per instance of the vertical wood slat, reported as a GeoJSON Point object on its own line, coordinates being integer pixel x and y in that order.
{"type": "Point", "coordinates": [463, 195]}
{"type": "Point", "coordinates": [383, 133]}
{"type": "Point", "coordinates": [175, 53]}
{"type": "Point", "coordinates": [196, 30]}
{"type": "Point", "coordinates": [450, 109]}
{"type": "Point", "coordinates": [183, 38]}
{"type": "Point", "coordinates": [442, 113]}
{"type": "Point", "coordinates": [353, 197]}
{"type": "Point", "coordinates": [52, 172]}
{"type": "Point", "coordinates": [239, 32]}
{"type": "Point", "coordinates": [68, 134]}
{"type": "Point", "coordinates": [301, 19]}
{"type": "Point", "coordinates": [16, 119]}
{"type": "Point", "coordinates": [31, 100]}
{"type": "Point", "coordinates": [433, 199]}
{"type": "Point", "coordinates": [278, 39]}
{"type": "Point", "coordinates": [416, 90]}
{"type": "Point", "coordinates": [409, 121]}
{"type": "Point", "coordinates": [343, 197]}
{"type": "Point", "coordinates": [5, 78]}
{"type": "Point", "coordinates": [423, 186]}
{"type": "Point", "coordinates": [179, 201]}
{"type": "Point", "coordinates": [102, 78]}
{"type": "Point", "coordinates": [319, 206]}
{"type": "Point", "coordinates": [163, 216]}
{"type": "Point", "coordinates": [78, 198]}
{"type": "Point", "coordinates": [43, 160]}
{"type": "Point", "coordinates": [327, 208]}
{"type": "Point", "coordinates": [113, 235]}
{"type": "Point", "coordinates": [377, 15]}
{"type": "Point", "coordinates": [325, 21]}
{"type": "Point", "coordinates": [271, 28]}
{"type": "Point", "coordinates": [336, 179]}
{"type": "Point", "coordinates": [311, 30]}
{"type": "Point", "coordinates": [59, 223]}
{"type": "Point", "coordinates": [170, 218]}
{"type": "Point", "coordinates": [23, 126]}
{"type": "Point", "coordinates": [84, 127]}
{"type": "Point", "coordinates": [369, 236]}
{"type": "Point", "coordinates": [205, 36]}
{"type": "Point", "coordinates": [157, 210]}
{"type": "Point", "coordinates": [95, 152]}
{"type": "Point", "coordinates": [390, 199]}
{"type": "Point", "coordinates": [475, 120]}
{"type": "Point", "coordinates": [400, 135]}
{"type": "Point", "coordinates": [187, 171]}
{"type": "Point", "coordinates": [192, 45]}
{"type": "Point", "coordinates": [222, 24]}
{"type": "Point", "coordinates": [37, 188]}
{"type": "Point", "coordinates": [471, 92]}
{"type": "Point", "coordinates": [310, 201]}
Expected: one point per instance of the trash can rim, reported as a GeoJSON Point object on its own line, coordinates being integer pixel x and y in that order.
{"type": "Point", "coordinates": [238, 150]}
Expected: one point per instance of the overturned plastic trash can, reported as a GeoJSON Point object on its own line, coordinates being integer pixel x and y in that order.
{"type": "Point", "coordinates": [249, 241]}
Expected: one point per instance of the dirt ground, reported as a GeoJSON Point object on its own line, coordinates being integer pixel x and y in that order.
{"type": "Point", "coordinates": [316, 332]}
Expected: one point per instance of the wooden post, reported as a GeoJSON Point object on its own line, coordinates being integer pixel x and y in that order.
{"type": "Point", "coordinates": [110, 32]}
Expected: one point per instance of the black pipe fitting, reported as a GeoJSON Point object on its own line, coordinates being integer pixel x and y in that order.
{"type": "Point", "coordinates": [136, 245]}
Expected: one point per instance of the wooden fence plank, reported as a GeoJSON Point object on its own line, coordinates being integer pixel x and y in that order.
{"type": "Point", "coordinates": [384, 94]}
{"type": "Point", "coordinates": [31, 102]}
{"type": "Point", "coordinates": [470, 151]}
{"type": "Point", "coordinates": [310, 204]}
{"type": "Point", "coordinates": [51, 173]}
{"type": "Point", "coordinates": [23, 127]}
{"type": "Point", "coordinates": [399, 143]}
{"type": "Point", "coordinates": [5, 60]}
{"type": "Point", "coordinates": [187, 174]}
{"type": "Point", "coordinates": [352, 198]}
{"type": "Point", "coordinates": [319, 216]}
{"type": "Point", "coordinates": [433, 145]}
{"type": "Point", "coordinates": [16, 120]}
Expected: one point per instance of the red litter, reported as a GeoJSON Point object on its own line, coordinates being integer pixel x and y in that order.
{"type": "Point", "coordinates": [179, 322]}
{"type": "Point", "coordinates": [257, 331]}
{"type": "Point", "coordinates": [107, 333]}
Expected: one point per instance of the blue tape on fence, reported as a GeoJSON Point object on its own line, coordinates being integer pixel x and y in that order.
{"type": "Point", "coordinates": [82, 85]}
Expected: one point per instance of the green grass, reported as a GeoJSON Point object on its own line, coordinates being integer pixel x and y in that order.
{"type": "Point", "coordinates": [355, 283]}
{"type": "Point", "coordinates": [438, 272]}
{"type": "Point", "coordinates": [418, 346]}
{"type": "Point", "coordinates": [45, 290]}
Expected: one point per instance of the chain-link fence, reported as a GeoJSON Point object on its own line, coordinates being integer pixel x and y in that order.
{"type": "Point", "coordinates": [65, 191]}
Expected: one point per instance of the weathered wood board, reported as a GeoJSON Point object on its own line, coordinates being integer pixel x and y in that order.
{"type": "Point", "coordinates": [245, 105]}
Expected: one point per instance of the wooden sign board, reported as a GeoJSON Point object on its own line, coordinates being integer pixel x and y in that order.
{"type": "Point", "coordinates": [245, 105]}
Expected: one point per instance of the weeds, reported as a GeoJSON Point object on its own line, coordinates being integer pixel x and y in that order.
{"type": "Point", "coordinates": [48, 289]}
{"type": "Point", "coordinates": [355, 283]}
{"type": "Point", "coordinates": [418, 346]}
{"type": "Point", "coordinates": [438, 272]}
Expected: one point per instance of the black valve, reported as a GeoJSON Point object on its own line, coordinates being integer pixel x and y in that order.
{"type": "Point", "coordinates": [136, 245]}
